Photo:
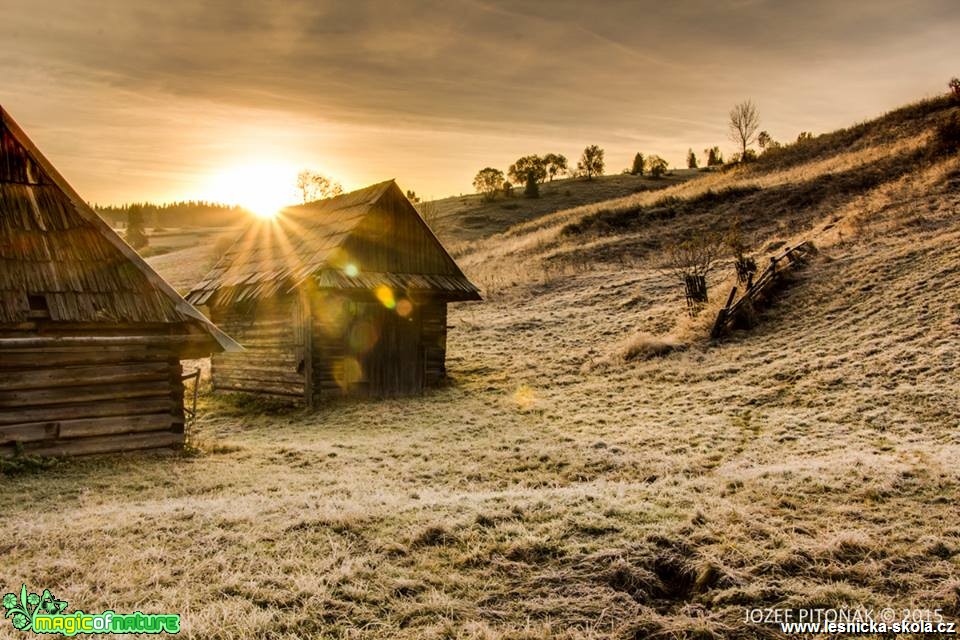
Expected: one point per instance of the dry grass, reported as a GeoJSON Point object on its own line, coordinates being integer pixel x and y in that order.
{"type": "Point", "coordinates": [810, 462]}
{"type": "Point", "coordinates": [183, 256]}
{"type": "Point", "coordinates": [460, 220]}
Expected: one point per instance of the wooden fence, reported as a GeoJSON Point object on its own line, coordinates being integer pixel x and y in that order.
{"type": "Point", "coordinates": [778, 265]}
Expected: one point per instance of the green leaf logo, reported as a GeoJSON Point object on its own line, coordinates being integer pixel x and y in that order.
{"type": "Point", "coordinates": [23, 610]}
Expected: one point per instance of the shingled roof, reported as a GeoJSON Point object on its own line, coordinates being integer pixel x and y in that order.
{"type": "Point", "coordinates": [54, 248]}
{"type": "Point", "coordinates": [342, 242]}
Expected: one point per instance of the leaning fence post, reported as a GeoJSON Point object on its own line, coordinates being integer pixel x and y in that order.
{"type": "Point", "coordinates": [722, 316]}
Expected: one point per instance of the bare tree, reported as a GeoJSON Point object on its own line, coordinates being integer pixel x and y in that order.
{"type": "Point", "coordinates": [738, 243]}
{"type": "Point", "coordinates": [744, 122]}
{"type": "Point", "coordinates": [316, 186]}
{"type": "Point", "coordinates": [428, 210]}
{"type": "Point", "coordinates": [691, 261]}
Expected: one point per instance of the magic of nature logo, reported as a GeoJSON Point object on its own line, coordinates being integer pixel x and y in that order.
{"type": "Point", "coordinates": [44, 613]}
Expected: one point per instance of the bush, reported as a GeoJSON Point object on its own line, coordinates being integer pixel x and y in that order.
{"type": "Point", "coordinates": [657, 166]}
{"type": "Point", "coordinates": [532, 189]}
{"type": "Point", "coordinates": [954, 85]}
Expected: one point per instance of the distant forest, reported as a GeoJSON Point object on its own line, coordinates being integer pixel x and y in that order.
{"type": "Point", "coordinates": [191, 213]}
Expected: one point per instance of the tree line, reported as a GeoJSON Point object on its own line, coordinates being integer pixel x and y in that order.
{"type": "Point", "coordinates": [186, 213]}
{"type": "Point", "coordinates": [533, 170]}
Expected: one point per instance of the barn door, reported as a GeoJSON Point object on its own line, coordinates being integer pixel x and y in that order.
{"type": "Point", "coordinates": [394, 365]}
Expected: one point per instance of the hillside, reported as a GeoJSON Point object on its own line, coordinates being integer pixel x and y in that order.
{"type": "Point", "coordinates": [817, 182]}
{"type": "Point", "coordinates": [556, 489]}
{"type": "Point", "coordinates": [462, 219]}
{"type": "Point", "coordinates": [183, 255]}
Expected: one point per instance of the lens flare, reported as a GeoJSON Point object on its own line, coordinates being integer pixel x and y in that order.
{"type": "Point", "coordinates": [385, 296]}
{"type": "Point", "coordinates": [404, 307]}
{"type": "Point", "coordinates": [363, 335]}
{"type": "Point", "coordinates": [347, 372]}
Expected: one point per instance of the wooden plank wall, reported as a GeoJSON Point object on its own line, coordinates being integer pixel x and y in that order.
{"type": "Point", "coordinates": [394, 239]}
{"type": "Point", "coordinates": [434, 340]}
{"type": "Point", "coordinates": [84, 400]}
{"type": "Point", "coordinates": [339, 370]}
{"type": "Point", "coordinates": [271, 330]}
{"type": "Point", "coordinates": [332, 315]}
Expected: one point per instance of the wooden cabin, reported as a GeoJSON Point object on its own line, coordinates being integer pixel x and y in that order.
{"type": "Point", "coordinates": [344, 296]}
{"type": "Point", "coordinates": [91, 338]}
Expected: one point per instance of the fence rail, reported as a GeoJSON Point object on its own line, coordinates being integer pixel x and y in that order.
{"type": "Point", "coordinates": [758, 287]}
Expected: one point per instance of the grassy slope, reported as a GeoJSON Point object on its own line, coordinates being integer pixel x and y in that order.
{"type": "Point", "coordinates": [555, 491]}
{"type": "Point", "coordinates": [182, 256]}
{"type": "Point", "coordinates": [463, 219]}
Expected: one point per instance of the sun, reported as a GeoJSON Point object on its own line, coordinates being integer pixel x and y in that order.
{"type": "Point", "coordinates": [264, 187]}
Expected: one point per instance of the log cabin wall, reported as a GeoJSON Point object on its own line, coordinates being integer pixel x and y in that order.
{"type": "Point", "coordinates": [275, 362]}
{"type": "Point", "coordinates": [331, 314]}
{"type": "Point", "coordinates": [361, 348]}
{"type": "Point", "coordinates": [434, 340]}
{"type": "Point", "coordinates": [90, 335]}
{"type": "Point", "coordinates": [76, 398]}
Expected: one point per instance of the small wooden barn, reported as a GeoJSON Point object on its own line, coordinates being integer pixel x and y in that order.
{"type": "Point", "coordinates": [341, 296]}
{"type": "Point", "coordinates": [91, 337]}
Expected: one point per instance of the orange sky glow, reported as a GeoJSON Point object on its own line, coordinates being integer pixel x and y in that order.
{"type": "Point", "coordinates": [226, 101]}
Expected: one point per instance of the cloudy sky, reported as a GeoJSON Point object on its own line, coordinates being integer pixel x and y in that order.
{"type": "Point", "coordinates": [136, 99]}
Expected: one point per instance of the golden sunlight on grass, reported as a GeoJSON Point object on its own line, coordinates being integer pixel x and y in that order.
{"type": "Point", "coordinates": [262, 186]}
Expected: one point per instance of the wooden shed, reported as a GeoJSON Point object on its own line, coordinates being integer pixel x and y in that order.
{"type": "Point", "coordinates": [344, 296]}
{"type": "Point", "coordinates": [91, 337]}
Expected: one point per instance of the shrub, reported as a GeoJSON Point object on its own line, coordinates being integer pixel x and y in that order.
{"type": "Point", "coordinates": [954, 85]}
{"type": "Point", "coordinates": [532, 188]}
{"type": "Point", "coordinates": [691, 261]}
{"type": "Point", "coordinates": [657, 166]}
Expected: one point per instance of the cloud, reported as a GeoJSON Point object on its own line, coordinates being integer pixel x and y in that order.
{"type": "Point", "coordinates": [552, 75]}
